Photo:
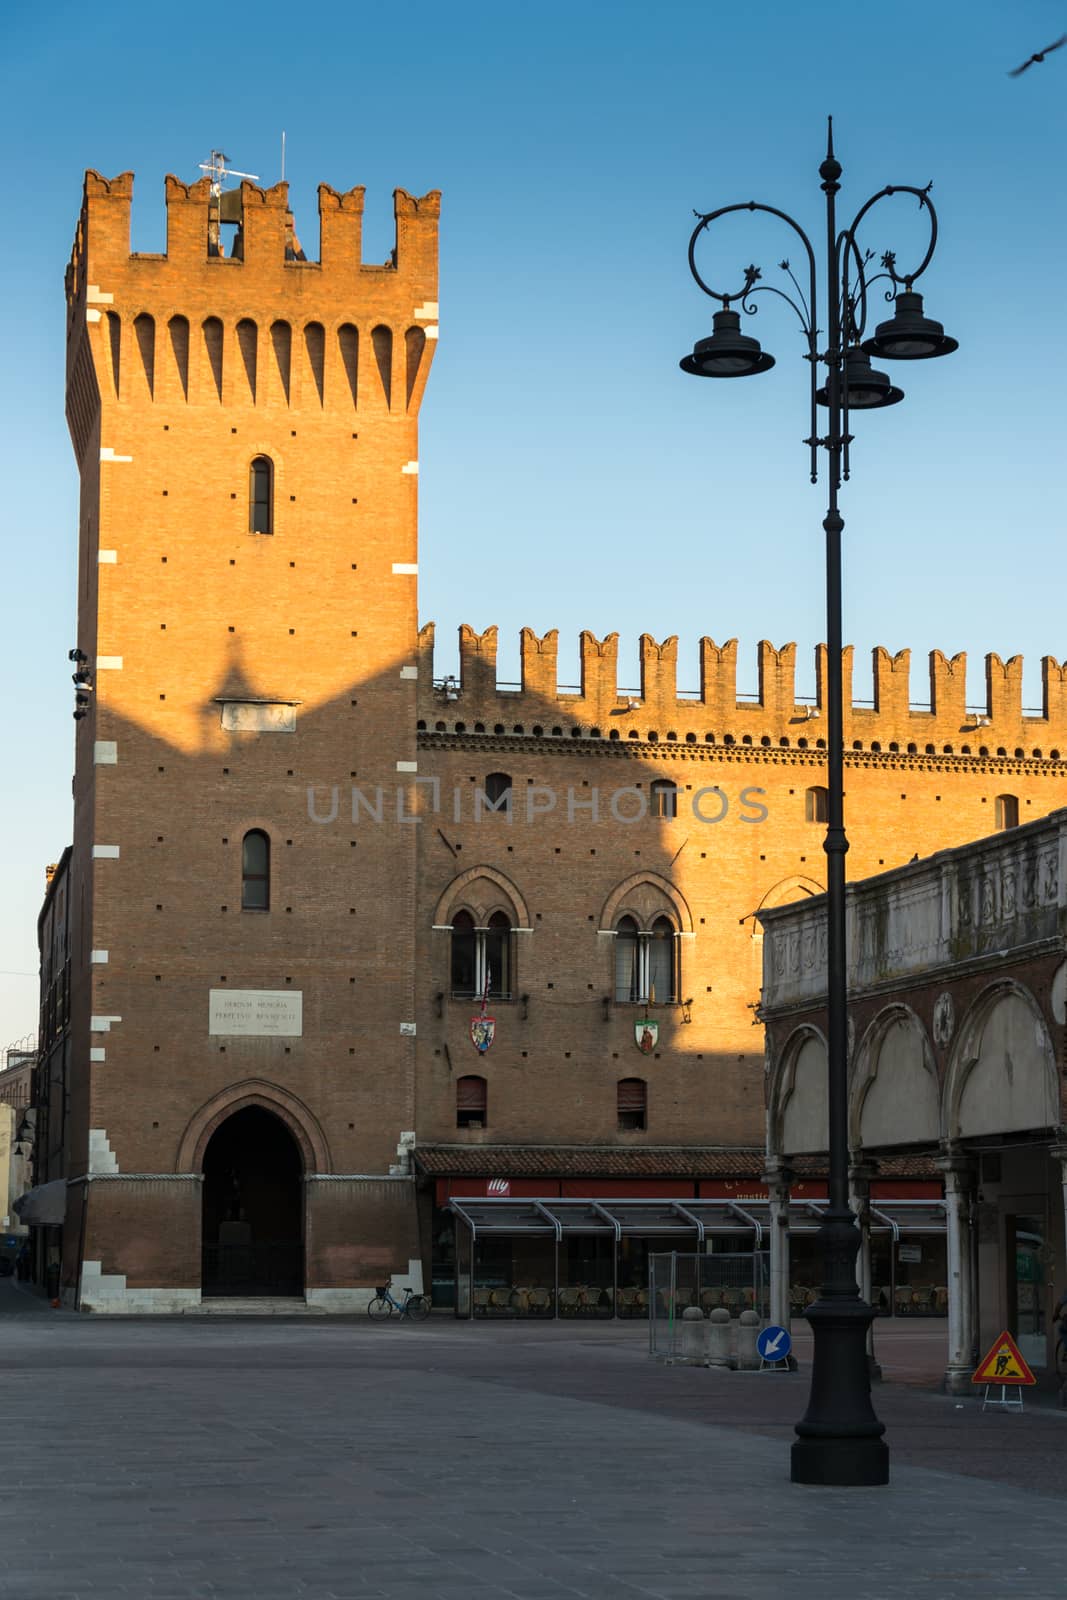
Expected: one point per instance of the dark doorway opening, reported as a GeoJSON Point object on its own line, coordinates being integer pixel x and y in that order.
{"type": "Point", "coordinates": [253, 1240]}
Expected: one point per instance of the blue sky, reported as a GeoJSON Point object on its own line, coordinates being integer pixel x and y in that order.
{"type": "Point", "coordinates": [571, 476]}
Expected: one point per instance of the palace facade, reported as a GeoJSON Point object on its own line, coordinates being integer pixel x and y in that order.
{"type": "Point", "coordinates": [350, 940]}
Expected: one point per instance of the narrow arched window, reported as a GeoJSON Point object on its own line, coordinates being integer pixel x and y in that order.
{"type": "Point", "coordinates": [498, 792]}
{"type": "Point", "coordinates": [662, 948]}
{"type": "Point", "coordinates": [255, 871]}
{"type": "Point", "coordinates": [1007, 811]}
{"type": "Point", "coordinates": [816, 805]}
{"type": "Point", "coordinates": [261, 496]}
{"type": "Point", "coordinates": [632, 1104]}
{"type": "Point", "coordinates": [627, 962]}
{"type": "Point", "coordinates": [472, 1102]}
{"type": "Point", "coordinates": [663, 799]}
{"type": "Point", "coordinates": [463, 954]}
{"type": "Point", "coordinates": [496, 980]}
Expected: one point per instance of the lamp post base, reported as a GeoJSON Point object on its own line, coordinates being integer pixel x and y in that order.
{"type": "Point", "coordinates": [840, 1439]}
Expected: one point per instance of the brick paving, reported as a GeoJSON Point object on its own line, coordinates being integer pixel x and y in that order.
{"type": "Point", "coordinates": [327, 1460]}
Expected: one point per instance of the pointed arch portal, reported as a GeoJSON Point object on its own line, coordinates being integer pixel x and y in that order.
{"type": "Point", "coordinates": [253, 1213]}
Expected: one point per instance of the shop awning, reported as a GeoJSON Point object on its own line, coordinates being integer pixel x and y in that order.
{"type": "Point", "coordinates": [630, 1218]}
{"type": "Point", "coordinates": [662, 1218]}
{"type": "Point", "coordinates": [45, 1206]}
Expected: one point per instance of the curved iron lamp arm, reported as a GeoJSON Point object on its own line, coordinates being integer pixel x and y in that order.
{"type": "Point", "coordinates": [805, 312]}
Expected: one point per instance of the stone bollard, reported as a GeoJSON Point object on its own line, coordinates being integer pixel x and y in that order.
{"type": "Point", "coordinates": [747, 1330]}
{"type": "Point", "coordinates": [719, 1331]}
{"type": "Point", "coordinates": [693, 1335]}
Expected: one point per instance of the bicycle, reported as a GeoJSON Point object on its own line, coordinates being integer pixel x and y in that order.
{"type": "Point", "coordinates": [415, 1306]}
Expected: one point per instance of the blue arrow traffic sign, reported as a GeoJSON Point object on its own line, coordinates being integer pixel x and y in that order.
{"type": "Point", "coordinates": [773, 1343]}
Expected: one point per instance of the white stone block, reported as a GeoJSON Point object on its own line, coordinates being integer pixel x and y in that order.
{"type": "Point", "coordinates": [106, 752]}
{"type": "Point", "coordinates": [107, 558]}
{"type": "Point", "coordinates": [105, 852]}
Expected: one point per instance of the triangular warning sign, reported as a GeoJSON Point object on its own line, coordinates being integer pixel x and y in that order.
{"type": "Point", "coordinates": [1003, 1364]}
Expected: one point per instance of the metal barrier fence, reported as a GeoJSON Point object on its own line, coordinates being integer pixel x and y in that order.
{"type": "Point", "coordinates": [736, 1282]}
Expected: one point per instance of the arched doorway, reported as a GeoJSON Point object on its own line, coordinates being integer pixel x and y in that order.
{"type": "Point", "coordinates": [253, 1217]}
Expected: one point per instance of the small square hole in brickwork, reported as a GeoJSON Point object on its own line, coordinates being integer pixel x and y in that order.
{"type": "Point", "coordinates": [614, 1055]}
{"type": "Point", "coordinates": [232, 562]}
{"type": "Point", "coordinates": [292, 563]}
{"type": "Point", "coordinates": [351, 980]}
{"type": "Point", "coordinates": [538, 914]}
{"type": "Point", "coordinates": [703, 855]}
{"type": "Point", "coordinates": [702, 919]}
{"type": "Point", "coordinates": [233, 497]}
{"type": "Point", "coordinates": [225, 841]}
{"type": "Point", "coordinates": [525, 1053]}
{"type": "Point", "coordinates": [354, 568]}
{"type": "Point", "coordinates": [351, 1052]}
{"type": "Point", "coordinates": [160, 769]}
{"type": "Point", "coordinates": [163, 625]}
{"type": "Point", "coordinates": [355, 436]}
{"type": "Point", "coordinates": [292, 433]}
{"type": "Point", "coordinates": [159, 908]}
{"type": "Point", "coordinates": [590, 917]}
{"type": "Point", "coordinates": [162, 697]}
{"type": "Point", "coordinates": [165, 493]}
{"type": "Point", "coordinates": [292, 630]}
{"type": "Point", "coordinates": [287, 1050]}
{"type": "Point", "coordinates": [288, 980]}
{"type": "Point", "coordinates": [557, 849]}
{"type": "Point", "coordinates": [566, 1055]}
{"type": "Point", "coordinates": [166, 429]}
{"type": "Point", "coordinates": [288, 910]}
{"type": "Point", "coordinates": [163, 559]}
{"type": "Point", "coordinates": [803, 858]}
{"type": "Point", "coordinates": [159, 977]}
{"type": "Point", "coordinates": [289, 774]}
{"type": "Point", "coordinates": [552, 986]}
{"type": "Point", "coordinates": [592, 852]}
{"type": "Point", "coordinates": [155, 1047]}
{"type": "Point", "coordinates": [222, 1049]}
{"type": "Point", "coordinates": [637, 852]}
{"type": "Point", "coordinates": [352, 843]}
{"type": "Point", "coordinates": [159, 838]}
{"type": "Point", "coordinates": [355, 502]}
{"type": "Point", "coordinates": [233, 430]}
{"type": "Point", "coordinates": [225, 772]}
{"type": "Point", "coordinates": [222, 978]}
{"type": "Point", "coordinates": [589, 985]}
{"type": "Point", "coordinates": [656, 1057]}
{"type": "Point", "coordinates": [510, 848]}
{"type": "Point", "coordinates": [351, 911]}
{"type": "Point", "coordinates": [352, 1124]}
{"type": "Point", "coordinates": [709, 988]}
{"type": "Point", "coordinates": [292, 497]}
{"type": "Point", "coordinates": [355, 633]}
{"type": "Point", "coordinates": [232, 629]}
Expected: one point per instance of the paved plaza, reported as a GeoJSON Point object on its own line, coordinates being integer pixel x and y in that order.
{"type": "Point", "coordinates": [314, 1459]}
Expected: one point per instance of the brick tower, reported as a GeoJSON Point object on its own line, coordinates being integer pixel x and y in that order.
{"type": "Point", "coordinates": [245, 424]}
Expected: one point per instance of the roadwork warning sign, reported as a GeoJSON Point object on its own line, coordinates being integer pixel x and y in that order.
{"type": "Point", "coordinates": [1003, 1364]}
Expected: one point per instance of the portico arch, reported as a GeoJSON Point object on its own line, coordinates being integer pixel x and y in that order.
{"type": "Point", "coordinates": [893, 1096]}
{"type": "Point", "coordinates": [1002, 1074]}
{"type": "Point", "coordinates": [297, 1117]}
{"type": "Point", "coordinates": [798, 1107]}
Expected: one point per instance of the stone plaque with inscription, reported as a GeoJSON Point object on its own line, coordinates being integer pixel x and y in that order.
{"type": "Point", "coordinates": [262, 1013]}
{"type": "Point", "coordinates": [252, 716]}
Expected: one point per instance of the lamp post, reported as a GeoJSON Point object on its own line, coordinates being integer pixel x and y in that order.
{"type": "Point", "coordinates": [839, 1440]}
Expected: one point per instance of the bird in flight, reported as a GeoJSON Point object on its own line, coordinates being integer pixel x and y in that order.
{"type": "Point", "coordinates": [1039, 55]}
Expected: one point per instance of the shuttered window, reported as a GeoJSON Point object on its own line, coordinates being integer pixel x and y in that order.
{"type": "Point", "coordinates": [471, 1102]}
{"type": "Point", "coordinates": [481, 957]}
{"type": "Point", "coordinates": [646, 963]}
{"type": "Point", "coordinates": [632, 1103]}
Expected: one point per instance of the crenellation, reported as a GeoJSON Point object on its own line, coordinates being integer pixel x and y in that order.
{"type": "Point", "coordinates": [1004, 690]}
{"type": "Point", "coordinates": [659, 670]}
{"type": "Point", "coordinates": [264, 241]}
{"type": "Point", "coordinates": [1054, 691]}
{"type": "Point", "coordinates": [718, 677]}
{"type": "Point", "coordinates": [777, 679]}
{"type": "Point", "coordinates": [341, 227]}
{"type": "Point", "coordinates": [600, 672]}
{"type": "Point", "coordinates": [540, 663]}
{"type": "Point", "coordinates": [477, 662]}
{"type": "Point", "coordinates": [892, 684]}
{"type": "Point", "coordinates": [948, 689]}
{"type": "Point", "coordinates": [889, 726]}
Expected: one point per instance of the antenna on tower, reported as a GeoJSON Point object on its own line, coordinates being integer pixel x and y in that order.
{"type": "Point", "coordinates": [283, 155]}
{"type": "Point", "coordinates": [218, 168]}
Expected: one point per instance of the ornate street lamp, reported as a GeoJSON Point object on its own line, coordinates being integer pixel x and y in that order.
{"type": "Point", "coordinates": [839, 1440]}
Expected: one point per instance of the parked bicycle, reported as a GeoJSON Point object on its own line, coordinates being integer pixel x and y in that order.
{"type": "Point", "coordinates": [415, 1306]}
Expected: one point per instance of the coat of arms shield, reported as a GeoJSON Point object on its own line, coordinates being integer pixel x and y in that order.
{"type": "Point", "coordinates": [483, 1030]}
{"type": "Point", "coordinates": [646, 1035]}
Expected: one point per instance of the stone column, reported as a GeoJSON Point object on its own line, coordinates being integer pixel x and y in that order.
{"type": "Point", "coordinates": [860, 1173]}
{"type": "Point", "coordinates": [958, 1171]}
{"type": "Point", "coordinates": [778, 1177]}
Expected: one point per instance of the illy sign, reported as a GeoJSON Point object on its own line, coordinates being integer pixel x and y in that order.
{"type": "Point", "coordinates": [498, 1187]}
